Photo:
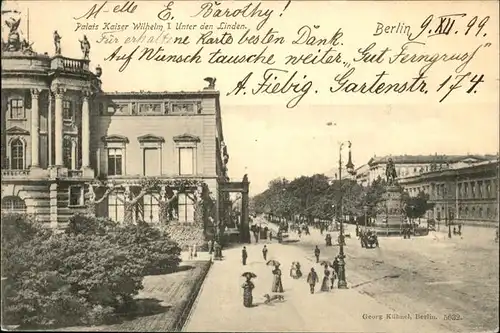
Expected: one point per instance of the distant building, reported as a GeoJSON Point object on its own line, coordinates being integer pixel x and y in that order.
{"type": "Point", "coordinates": [463, 194]}
{"type": "Point", "coordinates": [411, 165]}
{"type": "Point", "coordinates": [363, 175]}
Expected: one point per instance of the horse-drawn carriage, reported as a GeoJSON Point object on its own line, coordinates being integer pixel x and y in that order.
{"type": "Point", "coordinates": [368, 239]}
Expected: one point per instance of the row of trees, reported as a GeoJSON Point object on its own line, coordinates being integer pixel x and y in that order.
{"type": "Point", "coordinates": [309, 197]}
{"type": "Point", "coordinates": [86, 275]}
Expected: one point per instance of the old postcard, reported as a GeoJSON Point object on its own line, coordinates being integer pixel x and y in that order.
{"type": "Point", "coordinates": [250, 166]}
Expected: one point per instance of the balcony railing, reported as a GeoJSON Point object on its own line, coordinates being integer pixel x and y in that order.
{"type": "Point", "coordinates": [70, 65]}
{"type": "Point", "coordinates": [15, 173]}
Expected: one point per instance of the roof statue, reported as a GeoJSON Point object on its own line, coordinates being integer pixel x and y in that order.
{"type": "Point", "coordinates": [85, 46]}
{"type": "Point", "coordinates": [57, 42]}
{"type": "Point", "coordinates": [390, 172]}
{"type": "Point", "coordinates": [211, 82]}
{"type": "Point", "coordinates": [13, 43]}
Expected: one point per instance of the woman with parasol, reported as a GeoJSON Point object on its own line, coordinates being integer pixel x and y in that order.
{"type": "Point", "coordinates": [277, 286]}
{"type": "Point", "coordinates": [248, 287]}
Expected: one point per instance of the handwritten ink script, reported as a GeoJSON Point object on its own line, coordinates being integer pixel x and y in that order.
{"type": "Point", "coordinates": [420, 56]}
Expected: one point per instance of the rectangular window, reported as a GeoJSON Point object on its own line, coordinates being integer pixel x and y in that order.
{"type": "Point", "coordinates": [186, 209]}
{"type": "Point", "coordinates": [151, 209]}
{"type": "Point", "coordinates": [186, 161]}
{"type": "Point", "coordinates": [17, 110]}
{"type": "Point", "coordinates": [116, 206]}
{"type": "Point", "coordinates": [151, 162]}
{"type": "Point", "coordinates": [115, 161]}
{"type": "Point", "coordinates": [76, 195]}
{"type": "Point", "coordinates": [68, 154]}
{"type": "Point", "coordinates": [67, 110]}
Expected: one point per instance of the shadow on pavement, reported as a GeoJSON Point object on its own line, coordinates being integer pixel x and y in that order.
{"type": "Point", "coordinates": [142, 307]}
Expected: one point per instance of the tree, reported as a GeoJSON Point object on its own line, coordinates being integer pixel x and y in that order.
{"type": "Point", "coordinates": [416, 207]}
{"type": "Point", "coordinates": [373, 198]}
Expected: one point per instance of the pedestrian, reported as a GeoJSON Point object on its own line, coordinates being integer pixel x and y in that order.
{"type": "Point", "coordinates": [325, 285]}
{"type": "Point", "coordinates": [244, 255]}
{"type": "Point", "coordinates": [210, 246]}
{"type": "Point", "coordinates": [264, 252]}
{"type": "Point", "coordinates": [248, 286]}
{"type": "Point", "coordinates": [270, 235]}
{"type": "Point", "coordinates": [298, 272]}
{"type": "Point", "coordinates": [357, 230]}
{"type": "Point", "coordinates": [217, 251]}
{"type": "Point", "coordinates": [195, 251]}
{"type": "Point", "coordinates": [190, 252]}
{"type": "Point", "coordinates": [277, 286]}
{"type": "Point", "coordinates": [460, 229]}
{"type": "Point", "coordinates": [332, 278]}
{"type": "Point", "coordinates": [316, 253]}
{"type": "Point", "coordinates": [312, 279]}
{"type": "Point", "coordinates": [335, 266]}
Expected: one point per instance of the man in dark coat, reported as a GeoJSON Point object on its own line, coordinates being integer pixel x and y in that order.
{"type": "Point", "coordinates": [312, 279]}
{"type": "Point", "coordinates": [264, 252]}
{"type": "Point", "coordinates": [335, 266]}
{"type": "Point", "coordinates": [317, 253]}
{"type": "Point", "coordinates": [244, 255]}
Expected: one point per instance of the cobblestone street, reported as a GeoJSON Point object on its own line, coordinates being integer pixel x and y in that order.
{"type": "Point", "coordinates": [220, 304]}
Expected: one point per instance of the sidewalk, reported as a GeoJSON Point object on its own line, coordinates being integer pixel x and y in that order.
{"type": "Point", "coordinates": [220, 303]}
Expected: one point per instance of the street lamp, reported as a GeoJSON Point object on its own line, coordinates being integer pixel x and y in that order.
{"type": "Point", "coordinates": [342, 284]}
{"type": "Point", "coordinates": [365, 208]}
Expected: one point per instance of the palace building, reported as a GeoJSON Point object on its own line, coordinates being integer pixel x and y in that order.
{"type": "Point", "coordinates": [464, 194]}
{"type": "Point", "coordinates": [412, 165]}
{"type": "Point", "coordinates": [68, 147]}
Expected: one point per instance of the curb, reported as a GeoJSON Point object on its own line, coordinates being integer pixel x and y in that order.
{"type": "Point", "coordinates": [188, 311]}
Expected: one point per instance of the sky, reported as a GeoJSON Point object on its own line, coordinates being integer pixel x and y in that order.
{"type": "Point", "coordinates": [266, 139]}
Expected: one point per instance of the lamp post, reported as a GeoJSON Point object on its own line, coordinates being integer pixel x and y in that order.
{"type": "Point", "coordinates": [365, 208]}
{"type": "Point", "coordinates": [342, 284]}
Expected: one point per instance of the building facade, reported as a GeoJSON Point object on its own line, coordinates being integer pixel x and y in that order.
{"type": "Point", "coordinates": [69, 147]}
{"type": "Point", "coordinates": [465, 194]}
{"type": "Point", "coordinates": [411, 165]}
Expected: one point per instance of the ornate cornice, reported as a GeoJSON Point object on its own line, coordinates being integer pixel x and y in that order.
{"type": "Point", "coordinates": [35, 93]}
{"type": "Point", "coordinates": [86, 94]}
{"type": "Point", "coordinates": [186, 138]}
{"type": "Point", "coordinates": [115, 138]}
{"type": "Point", "coordinates": [150, 138]}
{"type": "Point", "coordinates": [58, 91]}
{"type": "Point", "coordinates": [17, 131]}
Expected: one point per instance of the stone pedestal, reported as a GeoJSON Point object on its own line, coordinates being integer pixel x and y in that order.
{"type": "Point", "coordinates": [393, 213]}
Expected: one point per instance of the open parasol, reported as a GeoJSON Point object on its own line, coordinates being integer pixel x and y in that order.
{"type": "Point", "coordinates": [273, 262]}
{"type": "Point", "coordinates": [249, 275]}
{"type": "Point", "coordinates": [326, 264]}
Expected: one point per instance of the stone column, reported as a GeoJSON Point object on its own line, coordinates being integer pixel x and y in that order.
{"type": "Point", "coordinates": [35, 129]}
{"type": "Point", "coordinates": [59, 94]}
{"type": "Point", "coordinates": [85, 130]}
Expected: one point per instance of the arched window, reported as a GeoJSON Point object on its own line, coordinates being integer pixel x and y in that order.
{"type": "Point", "coordinates": [17, 154]}
{"type": "Point", "coordinates": [13, 205]}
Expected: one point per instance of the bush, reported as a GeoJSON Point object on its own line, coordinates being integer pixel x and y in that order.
{"type": "Point", "coordinates": [70, 280]}
{"type": "Point", "coordinates": [83, 276]}
{"type": "Point", "coordinates": [89, 225]}
{"type": "Point", "coordinates": [18, 229]}
{"type": "Point", "coordinates": [150, 247]}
